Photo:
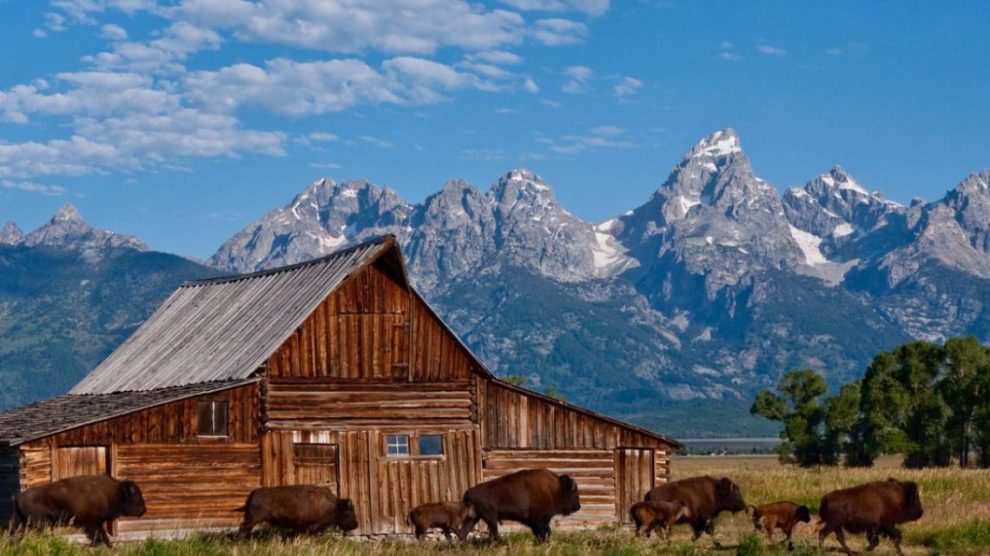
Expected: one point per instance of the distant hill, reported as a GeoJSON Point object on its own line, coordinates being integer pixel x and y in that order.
{"type": "Point", "coordinates": [66, 302]}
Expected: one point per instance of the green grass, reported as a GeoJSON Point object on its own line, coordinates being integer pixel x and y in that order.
{"type": "Point", "coordinates": [956, 521]}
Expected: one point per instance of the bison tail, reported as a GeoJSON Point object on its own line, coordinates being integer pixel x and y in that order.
{"type": "Point", "coordinates": [409, 518]}
{"type": "Point", "coordinates": [241, 508]}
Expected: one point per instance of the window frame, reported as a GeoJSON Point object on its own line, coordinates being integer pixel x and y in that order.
{"type": "Point", "coordinates": [213, 430]}
{"type": "Point", "coordinates": [398, 445]}
{"type": "Point", "coordinates": [440, 439]}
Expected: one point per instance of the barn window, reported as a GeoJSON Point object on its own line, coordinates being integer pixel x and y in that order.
{"type": "Point", "coordinates": [431, 445]}
{"type": "Point", "coordinates": [211, 418]}
{"type": "Point", "coordinates": [398, 445]}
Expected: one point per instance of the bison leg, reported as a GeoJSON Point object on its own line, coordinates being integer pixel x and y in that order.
{"type": "Point", "coordinates": [541, 530]}
{"type": "Point", "coordinates": [769, 533]}
{"type": "Point", "coordinates": [874, 538]}
{"type": "Point", "coordinates": [842, 541]}
{"type": "Point", "coordinates": [446, 533]}
{"type": "Point", "coordinates": [895, 535]}
{"type": "Point", "coordinates": [491, 521]}
{"type": "Point", "coordinates": [246, 526]}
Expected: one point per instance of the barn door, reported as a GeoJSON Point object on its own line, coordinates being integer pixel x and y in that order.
{"type": "Point", "coordinates": [72, 461]}
{"type": "Point", "coordinates": [634, 478]}
{"type": "Point", "coordinates": [316, 464]}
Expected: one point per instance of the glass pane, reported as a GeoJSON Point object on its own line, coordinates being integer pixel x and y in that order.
{"type": "Point", "coordinates": [397, 444]}
{"type": "Point", "coordinates": [204, 418]}
{"type": "Point", "coordinates": [431, 445]}
{"type": "Point", "coordinates": [219, 418]}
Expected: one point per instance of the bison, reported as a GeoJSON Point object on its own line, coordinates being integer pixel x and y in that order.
{"type": "Point", "coordinates": [298, 508]}
{"type": "Point", "coordinates": [531, 497]}
{"type": "Point", "coordinates": [873, 508]}
{"type": "Point", "coordinates": [448, 516]}
{"type": "Point", "coordinates": [705, 497]}
{"type": "Point", "coordinates": [88, 502]}
{"type": "Point", "coordinates": [780, 515]}
{"type": "Point", "coordinates": [649, 516]}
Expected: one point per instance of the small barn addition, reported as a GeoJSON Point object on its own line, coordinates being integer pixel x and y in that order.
{"type": "Point", "coordinates": [334, 372]}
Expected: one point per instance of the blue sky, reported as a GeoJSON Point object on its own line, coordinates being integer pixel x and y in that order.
{"type": "Point", "coordinates": [182, 121]}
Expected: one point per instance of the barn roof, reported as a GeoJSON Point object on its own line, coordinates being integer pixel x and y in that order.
{"type": "Point", "coordinates": [225, 328]}
{"type": "Point", "coordinates": [56, 415]}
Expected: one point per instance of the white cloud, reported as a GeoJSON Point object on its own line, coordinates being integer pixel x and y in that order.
{"type": "Point", "coordinates": [506, 111]}
{"type": "Point", "coordinates": [601, 137]}
{"type": "Point", "coordinates": [326, 165]}
{"type": "Point", "coordinates": [305, 88]}
{"type": "Point", "coordinates": [590, 7]}
{"type": "Point", "coordinates": [55, 22]}
{"type": "Point", "coordinates": [34, 187]}
{"type": "Point", "coordinates": [627, 87]}
{"type": "Point", "coordinates": [834, 51]}
{"type": "Point", "coordinates": [113, 32]}
{"type": "Point", "coordinates": [771, 50]}
{"type": "Point", "coordinates": [728, 52]}
{"type": "Point", "coordinates": [577, 79]}
{"type": "Point", "coordinates": [557, 32]}
{"type": "Point", "coordinates": [323, 136]}
{"type": "Point", "coordinates": [391, 26]}
{"type": "Point", "coordinates": [500, 57]}
{"type": "Point", "coordinates": [376, 141]}
{"type": "Point", "coordinates": [530, 86]}
{"type": "Point", "coordinates": [165, 54]}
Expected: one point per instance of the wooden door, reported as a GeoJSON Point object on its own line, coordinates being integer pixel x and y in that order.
{"type": "Point", "coordinates": [72, 461]}
{"type": "Point", "coordinates": [634, 475]}
{"type": "Point", "coordinates": [316, 464]}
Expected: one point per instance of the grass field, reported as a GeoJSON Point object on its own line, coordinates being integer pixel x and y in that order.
{"type": "Point", "coordinates": [956, 521]}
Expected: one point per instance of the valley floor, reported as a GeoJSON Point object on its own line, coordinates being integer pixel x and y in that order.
{"type": "Point", "coordinates": [956, 521]}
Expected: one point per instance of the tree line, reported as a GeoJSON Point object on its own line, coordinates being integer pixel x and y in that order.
{"type": "Point", "coordinates": [926, 401]}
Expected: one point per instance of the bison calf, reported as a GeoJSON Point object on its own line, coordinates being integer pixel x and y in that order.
{"type": "Point", "coordinates": [705, 497]}
{"type": "Point", "coordinates": [780, 515]}
{"type": "Point", "coordinates": [531, 497]}
{"type": "Point", "coordinates": [88, 501]}
{"type": "Point", "coordinates": [298, 508]}
{"type": "Point", "coordinates": [649, 516]}
{"type": "Point", "coordinates": [874, 509]}
{"type": "Point", "coordinates": [448, 516]}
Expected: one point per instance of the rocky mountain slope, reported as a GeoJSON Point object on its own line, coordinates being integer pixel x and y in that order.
{"type": "Point", "coordinates": [710, 290]}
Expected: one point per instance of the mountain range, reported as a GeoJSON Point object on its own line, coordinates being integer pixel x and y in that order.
{"type": "Point", "coordinates": [685, 305]}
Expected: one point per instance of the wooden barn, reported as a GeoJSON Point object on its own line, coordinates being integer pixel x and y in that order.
{"type": "Point", "coordinates": [333, 371]}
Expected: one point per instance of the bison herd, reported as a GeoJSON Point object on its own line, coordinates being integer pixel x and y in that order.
{"type": "Point", "coordinates": [531, 497]}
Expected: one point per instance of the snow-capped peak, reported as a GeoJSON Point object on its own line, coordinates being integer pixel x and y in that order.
{"type": "Point", "coordinates": [527, 177]}
{"type": "Point", "coordinates": [11, 234]}
{"type": "Point", "coordinates": [721, 143]}
{"type": "Point", "coordinates": [68, 213]}
{"type": "Point", "coordinates": [837, 177]}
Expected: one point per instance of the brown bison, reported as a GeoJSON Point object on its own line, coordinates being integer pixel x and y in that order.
{"type": "Point", "coordinates": [531, 497]}
{"type": "Point", "coordinates": [874, 509]}
{"type": "Point", "coordinates": [298, 508]}
{"type": "Point", "coordinates": [88, 501]}
{"type": "Point", "coordinates": [448, 516]}
{"type": "Point", "coordinates": [705, 497]}
{"type": "Point", "coordinates": [650, 516]}
{"type": "Point", "coordinates": [780, 515]}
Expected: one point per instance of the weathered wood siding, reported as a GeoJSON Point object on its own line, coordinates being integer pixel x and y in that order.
{"type": "Point", "coordinates": [36, 464]}
{"type": "Point", "coordinates": [189, 486]}
{"type": "Point", "coordinates": [594, 471]}
{"type": "Point", "coordinates": [634, 477]}
{"type": "Point", "coordinates": [513, 419]}
{"type": "Point", "coordinates": [314, 403]}
{"type": "Point", "coordinates": [171, 423]}
{"type": "Point", "coordinates": [370, 329]}
{"type": "Point", "coordinates": [384, 489]}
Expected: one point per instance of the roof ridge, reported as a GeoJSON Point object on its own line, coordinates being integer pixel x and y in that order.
{"type": "Point", "coordinates": [270, 271]}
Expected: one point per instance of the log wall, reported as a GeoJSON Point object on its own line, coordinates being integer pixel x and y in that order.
{"type": "Point", "coordinates": [295, 404]}
{"type": "Point", "coordinates": [171, 423]}
{"type": "Point", "coordinates": [189, 486]}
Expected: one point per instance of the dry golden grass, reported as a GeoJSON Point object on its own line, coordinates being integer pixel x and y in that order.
{"type": "Point", "coordinates": [957, 521]}
{"type": "Point", "coordinates": [954, 499]}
